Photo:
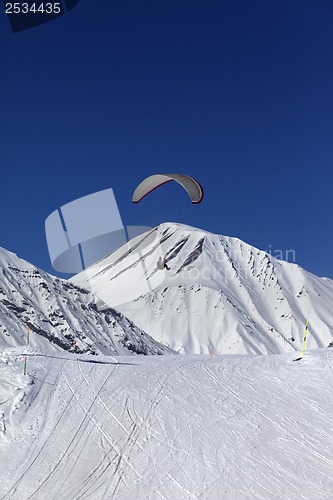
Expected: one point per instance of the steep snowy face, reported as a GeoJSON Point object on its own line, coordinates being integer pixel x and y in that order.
{"type": "Point", "coordinates": [220, 294]}
{"type": "Point", "coordinates": [61, 315]}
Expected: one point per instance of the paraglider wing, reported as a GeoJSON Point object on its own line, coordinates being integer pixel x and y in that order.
{"type": "Point", "coordinates": [193, 188]}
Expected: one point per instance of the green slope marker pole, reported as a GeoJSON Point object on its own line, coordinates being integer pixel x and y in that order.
{"type": "Point", "coordinates": [305, 336]}
{"type": "Point", "coordinates": [25, 365]}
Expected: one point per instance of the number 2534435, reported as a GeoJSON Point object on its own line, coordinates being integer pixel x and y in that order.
{"type": "Point", "coordinates": [35, 8]}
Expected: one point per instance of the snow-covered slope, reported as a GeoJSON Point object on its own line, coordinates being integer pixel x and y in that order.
{"type": "Point", "coordinates": [220, 294]}
{"type": "Point", "coordinates": [60, 314]}
{"type": "Point", "coordinates": [166, 427]}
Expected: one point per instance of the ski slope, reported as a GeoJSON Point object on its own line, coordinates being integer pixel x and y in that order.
{"type": "Point", "coordinates": [166, 427]}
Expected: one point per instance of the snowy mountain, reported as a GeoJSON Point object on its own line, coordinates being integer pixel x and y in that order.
{"type": "Point", "coordinates": [220, 294]}
{"type": "Point", "coordinates": [61, 315]}
{"type": "Point", "coordinates": [166, 427]}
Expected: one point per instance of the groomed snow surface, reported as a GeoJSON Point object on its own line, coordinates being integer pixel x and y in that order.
{"type": "Point", "coordinates": [166, 427]}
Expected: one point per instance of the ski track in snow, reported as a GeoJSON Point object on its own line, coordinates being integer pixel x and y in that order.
{"type": "Point", "coordinates": [167, 427]}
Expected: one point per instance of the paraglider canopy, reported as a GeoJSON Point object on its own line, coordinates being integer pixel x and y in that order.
{"type": "Point", "coordinates": [193, 188]}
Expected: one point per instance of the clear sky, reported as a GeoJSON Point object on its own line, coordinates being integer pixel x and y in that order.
{"type": "Point", "coordinates": [237, 93]}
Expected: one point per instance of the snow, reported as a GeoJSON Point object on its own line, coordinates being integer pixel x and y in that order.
{"type": "Point", "coordinates": [166, 427]}
{"type": "Point", "coordinates": [220, 294]}
{"type": "Point", "coordinates": [106, 422]}
{"type": "Point", "coordinates": [62, 316]}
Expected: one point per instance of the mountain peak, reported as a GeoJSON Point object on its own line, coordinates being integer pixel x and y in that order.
{"type": "Point", "coordinates": [219, 293]}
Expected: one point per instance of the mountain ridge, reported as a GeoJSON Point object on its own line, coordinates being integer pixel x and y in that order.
{"type": "Point", "coordinates": [224, 294]}
{"type": "Point", "coordinates": [61, 315]}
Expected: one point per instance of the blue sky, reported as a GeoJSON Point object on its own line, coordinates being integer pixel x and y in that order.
{"type": "Point", "coordinates": [236, 93]}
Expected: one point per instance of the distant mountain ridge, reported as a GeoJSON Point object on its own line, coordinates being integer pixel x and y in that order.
{"type": "Point", "coordinates": [62, 316]}
{"type": "Point", "coordinates": [221, 294]}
